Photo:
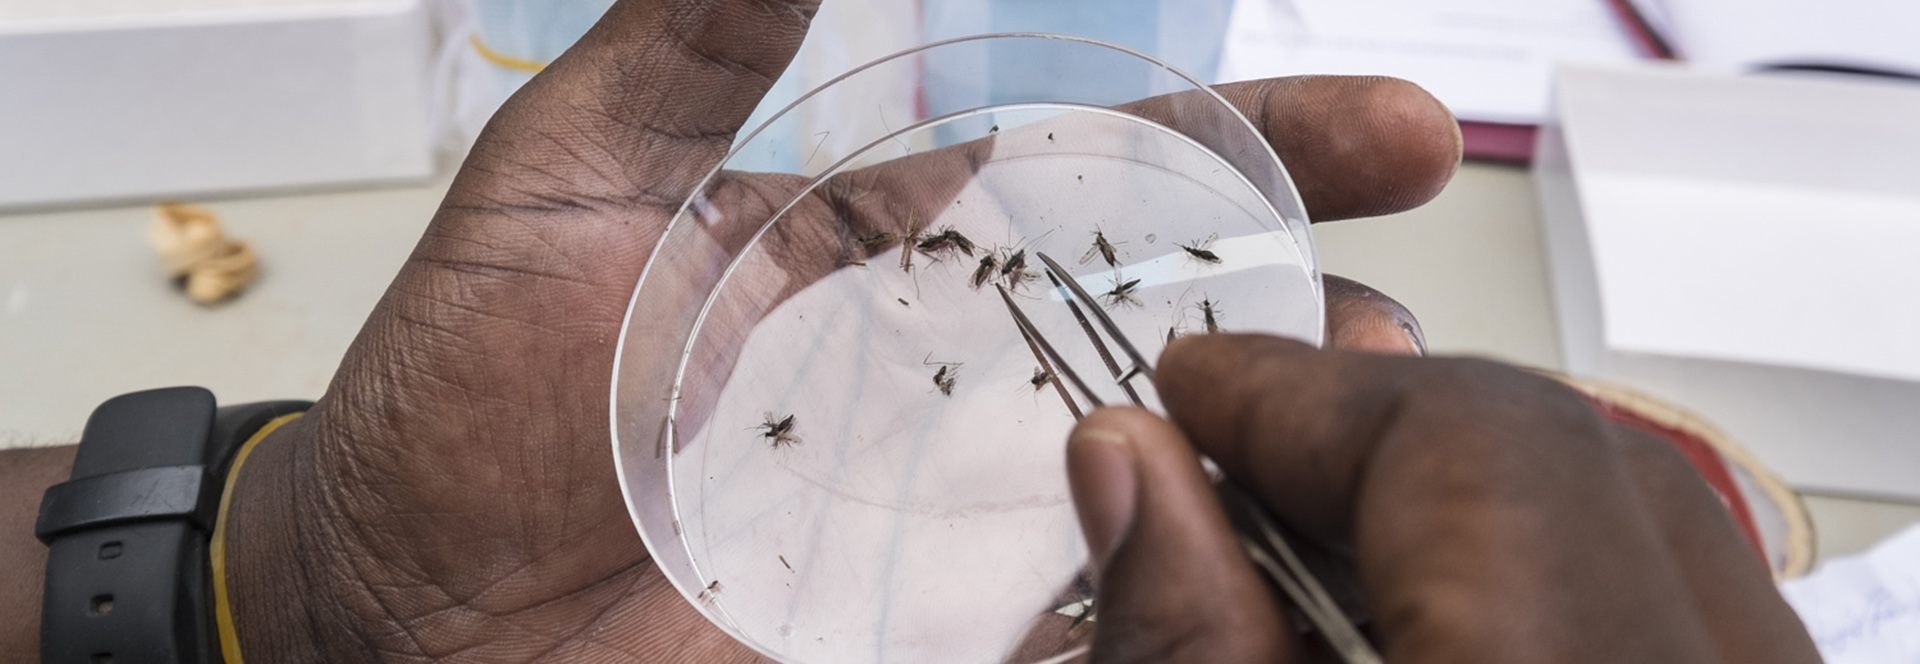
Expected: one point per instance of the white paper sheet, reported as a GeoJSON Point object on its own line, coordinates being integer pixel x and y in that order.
{"type": "Point", "coordinates": [1864, 609]}
{"type": "Point", "coordinates": [1759, 272]}
{"type": "Point", "coordinates": [1883, 34]}
{"type": "Point", "coordinates": [1488, 60]}
{"type": "Point", "coordinates": [1743, 247]}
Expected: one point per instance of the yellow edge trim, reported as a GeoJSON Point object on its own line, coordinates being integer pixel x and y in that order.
{"type": "Point", "coordinates": [505, 60]}
{"type": "Point", "coordinates": [222, 609]}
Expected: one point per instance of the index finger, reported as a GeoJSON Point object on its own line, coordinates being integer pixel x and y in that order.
{"type": "Point", "coordinates": [1354, 146]}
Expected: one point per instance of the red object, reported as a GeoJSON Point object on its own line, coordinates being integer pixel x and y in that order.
{"type": "Point", "coordinates": [1513, 143]}
{"type": "Point", "coordinates": [1651, 43]}
{"type": "Point", "coordinates": [1497, 142]}
{"type": "Point", "coordinates": [1705, 459]}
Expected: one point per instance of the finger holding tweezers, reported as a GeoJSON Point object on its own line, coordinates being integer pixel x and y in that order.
{"type": "Point", "coordinates": [1266, 547]}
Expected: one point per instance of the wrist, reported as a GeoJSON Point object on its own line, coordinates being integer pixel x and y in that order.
{"type": "Point", "coordinates": [282, 561]}
{"type": "Point", "coordinates": [25, 474]}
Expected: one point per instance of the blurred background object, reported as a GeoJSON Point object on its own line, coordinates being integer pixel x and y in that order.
{"type": "Point", "coordinates": [137, 101]}
{"type": "Point", "coordinates": [1747, 35]}
{"type": "Point", "coordinates": [1744, 245]}
{"type": "Point", "coordinates": [209, 266]}
{"type": "Point", "coordinates": [1489, 60]}
{"type": "Point", "coordinates": [1492, 61]}
{"type": "Point", "coordinates": [1865, 609]}
{"type": "Point", "coordinates": [141, 101]}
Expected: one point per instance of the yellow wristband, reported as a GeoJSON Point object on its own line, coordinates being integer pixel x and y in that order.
{"type": "Point", "coordinates": [504, 60]}
{"type": "Point", "coordinates": [217, 550]}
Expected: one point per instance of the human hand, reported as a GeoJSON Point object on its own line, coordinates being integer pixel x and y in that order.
{"type": "Point", "coordinates": [1492, 516]}
{"type": "Point", "coordinates": [451, 495]}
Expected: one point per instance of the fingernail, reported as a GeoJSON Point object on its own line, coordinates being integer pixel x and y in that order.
{"type": "Point", "coordinates": [1101, 470]}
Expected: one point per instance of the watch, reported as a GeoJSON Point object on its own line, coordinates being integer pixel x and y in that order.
{"type": "Point", "coordinates": [127, 571]}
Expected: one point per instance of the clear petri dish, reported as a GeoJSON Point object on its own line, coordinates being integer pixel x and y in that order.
{"type": "Point", "coordinates": [826, 424]}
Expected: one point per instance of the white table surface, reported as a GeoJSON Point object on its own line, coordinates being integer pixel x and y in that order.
{"type": "Point", "coordinates": [85, 313]}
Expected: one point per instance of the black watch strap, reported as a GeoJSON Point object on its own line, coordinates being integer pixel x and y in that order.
{"type": "Point", "coordinates": [127, 570]}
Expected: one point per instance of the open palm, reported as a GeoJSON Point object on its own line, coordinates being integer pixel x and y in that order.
{"type": "Point", "coordinates": [452, 496]}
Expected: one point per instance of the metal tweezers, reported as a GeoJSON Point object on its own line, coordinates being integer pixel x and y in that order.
{"type": "Point", "coordinates": [1260, 539]}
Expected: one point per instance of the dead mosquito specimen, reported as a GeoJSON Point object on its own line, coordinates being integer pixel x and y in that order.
{"type": "Point", "coordinates": [875, 239]}
{"type": "Point", "coordinates": [1122, 294]}
{"type": "Point", "coordinates": [1202, 250]}
{"type": "Point", "coordinates": [1016, 260]}
{"type": "Point", "coordinates": [1040, 378]}
{"type": "Point", "coordinates": [906, 247]}
{"type": "Point", "coordinates": [1013, 270]}
{"type": "Point", "coordinates": [946, 240]}
{"type": "Point", "coordinates": [778, 432]}
{"type": "Point", "coordinates": [981, 275]}
{"type": "Point", "coordinates": [1102, 248]}
{"type": "Point", "coordinates": [1210, 313]}
{"type": "Point", "coordinates": [945, 377]}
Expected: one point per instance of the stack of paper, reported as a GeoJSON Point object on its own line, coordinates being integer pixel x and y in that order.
{"type": "Point", "coordinates": [1744, 246]}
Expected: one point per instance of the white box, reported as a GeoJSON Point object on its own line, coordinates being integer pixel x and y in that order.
{"type": "Point", "coordinates": [1748, 247]}
{"type": "Point", "coordinates": [192, 101]}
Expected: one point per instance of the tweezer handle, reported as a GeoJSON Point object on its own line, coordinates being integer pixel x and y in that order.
{"type": "Point", "coordinates": [1259, 533]}
{"type": "Point", "coordinates": [1261, 540]}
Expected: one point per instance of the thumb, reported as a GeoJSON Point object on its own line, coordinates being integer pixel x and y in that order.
{"type": "Point", "coordinates": [636, 112]}
{"type": "Point", "coordinates": [1173, 583]}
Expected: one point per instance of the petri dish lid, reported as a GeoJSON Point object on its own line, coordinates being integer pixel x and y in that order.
{"type": "Point", "coordinates": [828, 430]}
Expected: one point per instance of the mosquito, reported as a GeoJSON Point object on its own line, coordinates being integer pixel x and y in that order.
{"type": "Point", "coordinates": [778, 432]}
{"type": "Point", "coordinates": [1210, 314]}
{"type": "Point", "coordinates": [1102, 248]}
{"type": "Point", "coordinates": [946, 240]}
{"type": "Point", "coordinates": [1122, 294]}
{"type": "Point", "coordinates": [989, 264]}
{"type": "Point", "coordinates": [1202, 250]}
{"type": "Point", "coordinates": [945, 378]}
{"type": "Point", "coordinates": [1014, 271]}
{"type": "Point", "coordinates": [1040, 378]}
{"type": "Point", "coordinates": [906, 248]}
